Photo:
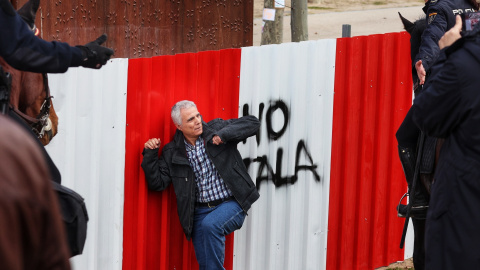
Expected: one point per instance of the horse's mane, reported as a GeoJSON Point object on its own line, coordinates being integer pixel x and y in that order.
{"type": "Point", "coordinates": [415, 29]}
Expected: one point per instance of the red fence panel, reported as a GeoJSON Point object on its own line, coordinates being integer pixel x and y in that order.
{"type": "Point", "coordinates": [372, 96]}
{"type": "Point", "coordinates": [153, 237]}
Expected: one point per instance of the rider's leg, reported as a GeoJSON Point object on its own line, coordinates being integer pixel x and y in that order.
{"type": "Point", "coordinates": [407, 137]}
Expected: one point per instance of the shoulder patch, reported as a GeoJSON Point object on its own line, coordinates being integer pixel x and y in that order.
{"type": "Point", "coordinates": [431, 17]}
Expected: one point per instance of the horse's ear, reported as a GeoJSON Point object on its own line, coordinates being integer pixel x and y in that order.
{"type": "Point", "coordinates": [29, 11]}
{"type": "Point", "coordinates": [407, 25]}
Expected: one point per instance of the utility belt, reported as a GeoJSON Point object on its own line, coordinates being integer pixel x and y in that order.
{"type": "Point", "coordinates": [213, 203]}
{"type": "Point", "coordinates": [5, 86]}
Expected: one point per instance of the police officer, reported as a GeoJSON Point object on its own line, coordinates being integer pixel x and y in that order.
{"type": "Point", "coordinates": [24, 51]}
{"type": "Point", "coordinates": [449, 108]}
{"type": "Point", "coordinates": [21, 49]}
{"type": "Point", "coordinates": [440, 18]}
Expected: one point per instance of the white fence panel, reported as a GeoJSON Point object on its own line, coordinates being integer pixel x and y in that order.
{"type": "Point", "coordinates": [290, 88]}
{"type": "Point", "coordinates": [89, 151]}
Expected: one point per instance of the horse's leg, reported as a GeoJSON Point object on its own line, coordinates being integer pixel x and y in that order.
{"type": "Point", "coordinates": [419, 243]}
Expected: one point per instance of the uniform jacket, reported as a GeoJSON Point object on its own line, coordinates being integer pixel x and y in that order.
{"type": "Point", "coordinates": [24, 51]}
{"type": "Point", "coordinates": [450, 108]}
{"type": "Point", "coordinates": [440, 18]}
{"type": "Point", "coordinates": [173, 166]}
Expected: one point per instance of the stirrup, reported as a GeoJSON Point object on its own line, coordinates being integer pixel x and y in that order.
{"type": "Point", "coordinates": [418, 212]}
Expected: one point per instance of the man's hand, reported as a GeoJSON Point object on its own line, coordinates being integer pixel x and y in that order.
{"type": "Point", "coordinates": [421, 73]}
{"type": "Point", "coordinates": [153, 143]}
{"type": "Point", "coordinates": [94, 55]}
{"type": "Point", "coordinates": [451, 35]}
{"type": "Point", "coordinates": [216, 140]}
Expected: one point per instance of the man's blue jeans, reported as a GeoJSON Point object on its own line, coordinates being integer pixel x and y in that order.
{"type": "Point", "coordinates": [210, 226]}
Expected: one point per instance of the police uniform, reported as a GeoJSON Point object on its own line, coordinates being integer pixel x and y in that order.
{"type": "Point", "coordinates": [25, 51]}
{"type": "Point", "coordinates": [450, 108]}
{"type": "Point", "coordinates": [440, 18]}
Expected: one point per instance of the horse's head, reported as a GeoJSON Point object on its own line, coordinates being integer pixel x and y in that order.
{"type": "Point", "coordinates": [30, 95]}
{"type": "Point", "coordinates": [415, 29]}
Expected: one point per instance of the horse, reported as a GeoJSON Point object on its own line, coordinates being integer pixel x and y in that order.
{"type": "Point", "coordinates": [30, 95]}
{"type": "Point", "coordinates": [433, 145]}
{"type": "Point", "coordinates": [415, 29]}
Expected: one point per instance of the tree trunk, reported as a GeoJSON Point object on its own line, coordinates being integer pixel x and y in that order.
{"type": "Point", "coordinates": [272, 32]}
{"type": "Point", "coordinates": [299, 24]}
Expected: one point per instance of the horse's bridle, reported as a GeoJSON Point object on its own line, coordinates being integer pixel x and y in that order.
{"type": "Point", "coordinates": [40, 124]}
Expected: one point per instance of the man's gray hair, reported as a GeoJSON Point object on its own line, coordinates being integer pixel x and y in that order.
{"type": "Point", "coordinates": [184, 104]}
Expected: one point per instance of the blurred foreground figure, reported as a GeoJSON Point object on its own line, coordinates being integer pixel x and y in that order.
{"type": "Point", "coordinates": [32, 235]}
{"type": "Point", "coordinates": [450, 108]}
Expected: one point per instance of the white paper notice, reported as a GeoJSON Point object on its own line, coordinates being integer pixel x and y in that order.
{"type": "Point", "coordinates": [279, 3]}
{"type": "Point", "coordinates": [269, 14]}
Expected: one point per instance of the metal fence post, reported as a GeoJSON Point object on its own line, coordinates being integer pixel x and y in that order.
{"type": "Point", "coordinates": [346, 30]}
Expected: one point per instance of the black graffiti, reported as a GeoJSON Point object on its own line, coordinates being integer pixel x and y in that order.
{"type": "Point", "coordinates": [272, 134]}
{"type": "Point", "coordinates": [274, 106]}
{"type": "Point", "coordinates": [265, 171]}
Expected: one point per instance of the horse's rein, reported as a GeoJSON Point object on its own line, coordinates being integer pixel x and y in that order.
{"type": "Point", "coordinates": [40, 123]}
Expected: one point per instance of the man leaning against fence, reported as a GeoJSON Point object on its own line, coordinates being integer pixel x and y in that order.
{"type": "Point", "coordinates": [213, 188]}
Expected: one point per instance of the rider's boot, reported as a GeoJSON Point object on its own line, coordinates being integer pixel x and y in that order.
{"type": "Point", "coordinates": [419, 200]}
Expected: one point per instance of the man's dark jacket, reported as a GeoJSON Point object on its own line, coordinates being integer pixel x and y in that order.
{"type": "Point", "coordinates": [173, 166]}
{"type": "Point", "coordinates": [450, 108]}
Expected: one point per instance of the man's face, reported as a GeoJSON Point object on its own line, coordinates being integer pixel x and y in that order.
{"type": "Point", "coordinates": [191, 123]}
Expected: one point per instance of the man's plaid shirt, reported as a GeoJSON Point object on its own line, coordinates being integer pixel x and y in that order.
{"type": "Point", "coordinates": [209, 184]}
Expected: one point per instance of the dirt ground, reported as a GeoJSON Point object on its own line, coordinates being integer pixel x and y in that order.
{"type": "Point", "coordinates": [341, 5]}
{"type": "Point", "coordinates": [407, 264]}
{"type": "Point", "coordinates": [326, 18]}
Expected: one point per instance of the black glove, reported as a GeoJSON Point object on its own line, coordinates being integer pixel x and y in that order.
{"type": "Point", "coordinates": [94, 55]}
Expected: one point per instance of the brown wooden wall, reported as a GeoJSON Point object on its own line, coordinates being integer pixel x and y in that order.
{"type": "Point", "coordinates": [146, 28]}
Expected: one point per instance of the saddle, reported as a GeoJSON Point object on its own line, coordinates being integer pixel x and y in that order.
{"type": "Point", "coordinates": [75, 217]}
{"type": "Point", "coordinates": [429, 159]}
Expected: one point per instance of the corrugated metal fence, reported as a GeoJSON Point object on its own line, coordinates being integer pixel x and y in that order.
{"type": "Point", "coordinates": [89, 151]}
{"type": "Point", "coordinates": [153, 238]}
{"type": "Point", "coordinates": [372, 95]}
{"type": "Point", "coordinates": [324, 161]}
{"type": "Point", "coordinates": [290, 88]}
